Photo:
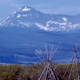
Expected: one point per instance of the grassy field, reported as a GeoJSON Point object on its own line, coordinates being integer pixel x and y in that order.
{"type": "Point", "coordinates": [32, 72]}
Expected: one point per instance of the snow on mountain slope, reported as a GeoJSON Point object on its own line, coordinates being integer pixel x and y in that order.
{"type": "Point", "coordinates": [28, 17]}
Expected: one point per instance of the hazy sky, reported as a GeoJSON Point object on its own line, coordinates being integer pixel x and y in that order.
{"type": "Point", "coordinates": [69, 7]}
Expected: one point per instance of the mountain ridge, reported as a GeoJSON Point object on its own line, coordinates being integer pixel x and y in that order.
{"type": "Point", "coordinates": [28, 16]}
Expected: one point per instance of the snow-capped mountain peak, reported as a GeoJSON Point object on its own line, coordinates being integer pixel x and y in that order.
{"type": "Point", "coordinates": [29, 17]}
{"type": "Point", "coordinates": [26, 9]}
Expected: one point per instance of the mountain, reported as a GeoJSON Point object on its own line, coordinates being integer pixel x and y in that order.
{"type": "Point", "coordinates": [29, 17]}
{"type": "Point", "coordinates": [27, 30]}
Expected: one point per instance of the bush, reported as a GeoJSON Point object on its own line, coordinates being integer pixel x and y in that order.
{"type": "Point", "coordinates": [27, 72]}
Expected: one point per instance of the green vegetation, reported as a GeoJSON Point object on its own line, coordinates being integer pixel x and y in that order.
{"type": "Point", "coordinates": [32, 72]}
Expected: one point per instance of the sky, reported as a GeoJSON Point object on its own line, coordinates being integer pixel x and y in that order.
{"type": "Point", "coordinates": [67, 7]}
